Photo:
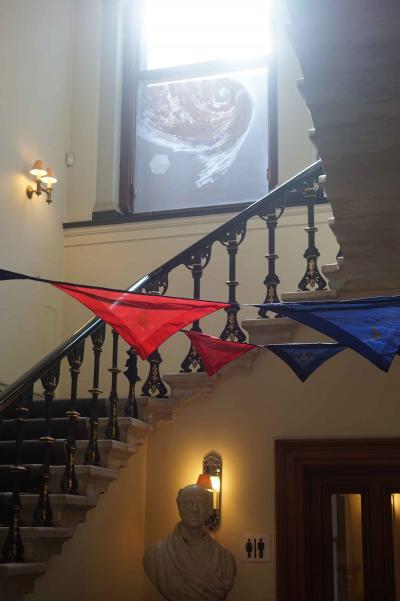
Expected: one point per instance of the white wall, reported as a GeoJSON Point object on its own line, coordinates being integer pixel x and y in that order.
{"type": "Point", "coordinates": [36, 48]}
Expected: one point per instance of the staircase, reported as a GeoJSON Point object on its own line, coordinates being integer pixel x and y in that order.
{"type": "Point", "coordinates": [57, 455]}
{"type": "Point", "coordinates": [67, 510]}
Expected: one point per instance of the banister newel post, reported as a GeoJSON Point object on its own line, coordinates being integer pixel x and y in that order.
{"type": "Point", "coordinates": [312, 276]}
{"type": "Point", "coordinates": [92, 454]}
{"type": "Point", "coordinates": [154, 385]}
{"type": "Point", "coordinates": [196, 264]}
{"type": "Point", "coordinates": [69, 482]}
{"type": "Point", "coordinates": [232, 331]}
{"type": "Point", "coordinates": [271, 280]}
{"type": "Point", "coordinates": [112, 428]}
{"type": "Point", "coordinates": [43, 515]}
{"type": "Point", "coordinates": [131, 372]}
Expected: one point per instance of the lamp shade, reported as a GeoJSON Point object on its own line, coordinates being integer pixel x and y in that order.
{"type": "Point", "coordinates": [38, 169]}
{"type": "Point", "coordinates": [50, 177]}
{"type": "Point", "coordinates": [204, 481]}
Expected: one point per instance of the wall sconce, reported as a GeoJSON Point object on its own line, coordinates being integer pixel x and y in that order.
{"type": "Point", "coordinates": [43, 175]}
{"type": "Point", "coordinates": [211, 480]}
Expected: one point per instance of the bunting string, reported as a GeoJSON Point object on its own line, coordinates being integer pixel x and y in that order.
{"type": "Point", "coordinates": [369, 326]}
{"type": "Point", "coordinates": [302, 357]}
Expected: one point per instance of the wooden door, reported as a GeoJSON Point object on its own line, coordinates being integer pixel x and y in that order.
{"type": "Point", "coordinates": [338, 516]}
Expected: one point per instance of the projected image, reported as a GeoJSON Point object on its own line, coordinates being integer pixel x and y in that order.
{"type": "Point", "coordinates": [202, 141]}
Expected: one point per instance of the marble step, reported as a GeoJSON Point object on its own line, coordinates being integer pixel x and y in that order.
{"type": "Point", "coordinates": [68, 510]}
{"type": "Point", "coordinates": [92, 479]}
{"type": "Point", "coordinates": [156, 411]}
{"type": "Point", "coordinates": [270, 330]}
{"type": "Point", "coordinates": [17, 579]}
{"type": "Point", "coordinates": [187, 386]}
{"type": "Point", "coordinates": [40, 542]}
{"type": "Point", "coordinates": [132, 431]}
{"type": "Point", "coordinates": [113, 453]}
{"type": "Point", "coordinates": [312, 295]}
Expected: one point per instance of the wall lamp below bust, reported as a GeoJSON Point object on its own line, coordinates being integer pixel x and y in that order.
{"type": "Point", "coordinates": [44, 175]}
{"type": "Point", "coordinates": [211, 480]}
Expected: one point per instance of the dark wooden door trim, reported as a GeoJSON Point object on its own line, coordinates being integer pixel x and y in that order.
{"type": "Point", "coordinates": [294, 460]}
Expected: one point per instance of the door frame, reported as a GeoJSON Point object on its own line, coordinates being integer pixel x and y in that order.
{"type": "Point", "coordinates": [294, 459]}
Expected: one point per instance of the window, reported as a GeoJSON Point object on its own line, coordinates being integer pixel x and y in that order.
{"type": "Point", "coordinates": [204, 107]}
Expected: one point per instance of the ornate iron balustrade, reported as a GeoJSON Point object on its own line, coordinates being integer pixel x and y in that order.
{"type": "Point", "coordinates": [302, 189]}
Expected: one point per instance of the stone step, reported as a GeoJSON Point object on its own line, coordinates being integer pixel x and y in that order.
{"type": "Point", "coordinates": [188, 386]}
{"type": "Point", "coordinates": [156, 411]}
{"type": "Point", "coordinates": [16, 579]}
{"type": "Point", "coordinates": [312, 295]}
{"type": "Point", "coordinates": [40, 542]}
{"type": "Point", "coordinates": [270, 330]}
{"type": "Point", "coordinates": [132, 431]}
{"type": "Point", "coordinates": [113, 453]}
{"type": "Point", "coordinates": [68, 510]}
{"type": "Point", "coordinates": [92, 479]}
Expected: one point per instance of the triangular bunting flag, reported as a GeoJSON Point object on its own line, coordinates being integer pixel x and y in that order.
{"type": "Point", "coordinates": [370, 326]}
{"type": "Point", "coordinates": [12, 275]}
{"type": "Point", "coordinates": [216, 352]}
{"type": "Point", "coordinates": [144, 321]}
{"type": "Point", "coordinates": [305, 358]}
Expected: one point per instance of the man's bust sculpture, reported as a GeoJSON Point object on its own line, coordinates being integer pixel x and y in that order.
{"type": "Point", "coordinates": [189, 565]}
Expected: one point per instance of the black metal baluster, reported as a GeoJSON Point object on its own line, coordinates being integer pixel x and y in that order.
{"type": "Point", "coordinates": [92, 455]}
{"type": "Point", "coordinates": [196, 264]}
{"type": "Point", "coordinates": [232, 331]}
{"type": "Point", "coordinates": [154, 386]}
{"type": "Point", "coordinates": [154, 383]}
{"type": "Point", "coordinates": [69, 482]}
{"type": "Point", "coordinates": [131, 408]}
{"type": "Point", "coordinates": [43, 515]}
{"type": "Point", "coordinates": [271, 279]}
{"type": "Point", "coordinates": [13, 548]}
{"type": "Point", "coordinates": [312, 276]}
{"type": "Point", "coordinates": [112, 429]}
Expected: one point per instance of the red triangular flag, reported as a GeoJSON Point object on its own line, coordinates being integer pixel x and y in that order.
{"type": "Point", "coordinates": [144, 321]}
{"type": "Point", "coordinates": [216, 352]}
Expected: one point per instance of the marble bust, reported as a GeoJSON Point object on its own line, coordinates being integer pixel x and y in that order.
{"type": "Point", "coordinates": [189, 565]}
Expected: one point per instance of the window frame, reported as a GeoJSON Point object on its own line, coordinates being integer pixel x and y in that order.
{"type": "Point", "coordinates": [133, 74]}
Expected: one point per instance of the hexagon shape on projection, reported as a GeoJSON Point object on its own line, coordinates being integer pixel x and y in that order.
{"type": "Point", "coordinates": [159, 164]}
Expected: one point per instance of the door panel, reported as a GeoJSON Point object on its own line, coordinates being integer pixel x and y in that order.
{"type": "Point", "coordinates": [347, 547]}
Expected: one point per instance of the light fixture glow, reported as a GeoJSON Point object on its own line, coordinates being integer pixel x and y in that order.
{"type": "Point", "coordinates": [50, 177]}
{"type": "Point", "coordinates": [43, 176]}
{"type": "Point", "coordinates": [216, 483]}
{"type": "Point", "coordinates": [210, 479]}
{"type": "Point", "coordinates": [38, 169]}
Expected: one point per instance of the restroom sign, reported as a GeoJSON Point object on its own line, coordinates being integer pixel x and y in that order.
{"type": "Point", "coordinates": [255, 547]}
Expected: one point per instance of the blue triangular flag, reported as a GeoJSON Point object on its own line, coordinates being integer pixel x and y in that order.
{"type": "Point", "coordinates": [305, 357]}
{"type": "Point", "coordinates": [370, 326]}
{"type": "Point", "coordinates": [12, 275]}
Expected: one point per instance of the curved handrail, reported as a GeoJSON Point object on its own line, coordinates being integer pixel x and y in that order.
{"type": "Point", "coordinates": [259, 207]}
